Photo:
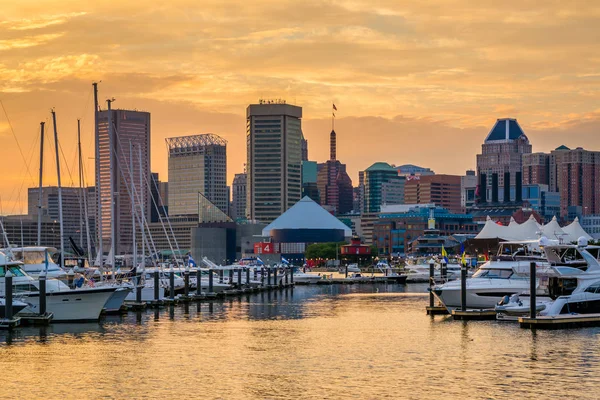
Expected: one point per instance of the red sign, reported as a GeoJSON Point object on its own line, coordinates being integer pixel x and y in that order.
{"type": "Point", "coordinates": [263, 248]}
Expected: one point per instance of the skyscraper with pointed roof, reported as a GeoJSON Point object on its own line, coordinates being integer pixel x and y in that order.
{"type": "Point", "coordinates": [499, 166]}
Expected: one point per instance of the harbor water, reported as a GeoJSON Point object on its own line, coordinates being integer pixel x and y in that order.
{"type": "Point", "coordinates": [312, 342]}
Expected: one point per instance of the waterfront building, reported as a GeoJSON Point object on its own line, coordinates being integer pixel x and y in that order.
{"type": "Point", "coordinates": [22, 230]}
{"type": "Point", "coordinates": [591, 224]}
{"type": "Point", "coordinates": [468, 188]}
{"type": "Point", "coordinates": [536, 169]}
{"type": "Point", "coordinates": [397, 226]}
{"type": "Point", "coordinates": [575, 174]}
{"type": "Point", "coordinates": [374, 178]}
{"type": "Point", "coordinates": [499, 166]}
{"type": "Point", "coordinates": [441, 190]}
{"type": "Point", "coordinates": [274, 155]}
{"type": "Point", "coordinates": [197, 164]}
{"type": "Point", "coordinates": [239, 193]}
{"type": "Point", "coordinates": [542, 200]}
{"type": "Point", "coordinates": [335, 186]}
{"type": "Point", "coordinates": [129, 127]}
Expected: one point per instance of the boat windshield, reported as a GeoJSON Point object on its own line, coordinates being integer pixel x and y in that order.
{"type": "Point", "coordinates": [493, 273]}
{"type": "Point", "coordinates": [14, 270]}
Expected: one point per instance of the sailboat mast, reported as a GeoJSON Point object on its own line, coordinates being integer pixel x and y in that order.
{"type": "Point", "coordinates": [80, 184]}
{"type": "Point", "coordinates": [84, 195]}
{"type": "Point", "coordinates": [142, 215]}
{"type": "Point", "coordinates": [132, 205]}
{"type": "Point", "coordinates": [39, 221]}
{"type": "Point", "coordinates": [60, 204]}
{"type": "Point", "coordinates": [99, 249]}
{"type": "Point", "coordinates": [112, 148]}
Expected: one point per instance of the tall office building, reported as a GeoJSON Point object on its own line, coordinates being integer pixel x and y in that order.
{"type": "Point", "coordinates": [159, 193]}
{"type": "Point", "coordinates": [441, 190]}
{"type": "Point", "coordinates": [499, 166]}
{"type": "Point", "coordinates": [575, 174]}
{"type": "Point", "coordinates": [335, 186]}
{"type": "Point", "coordinates": [197, 164]}
{"type": "Point", "coordinates": [128, 127]}
{"type": "Point", "coordinates": [274, 151]}
{"type": "Point", "coordinates": [378, 178]}
{"type": "Point", "coordinates": [536, 169]}
{"type": "Point", "coordinates": [239, 189]}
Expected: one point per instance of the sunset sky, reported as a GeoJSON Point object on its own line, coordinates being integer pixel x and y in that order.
{"type": "Point", "coordinates": [414, 82]}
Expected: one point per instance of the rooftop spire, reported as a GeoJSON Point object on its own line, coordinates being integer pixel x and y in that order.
{"type": "Point", "coordinates": [332, 145]}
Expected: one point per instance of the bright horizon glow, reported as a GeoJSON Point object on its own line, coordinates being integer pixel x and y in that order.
{"type": "Point", "coordinates": [418, 83]}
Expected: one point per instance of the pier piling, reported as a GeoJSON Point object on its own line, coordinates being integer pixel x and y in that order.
{"type": "Point", "coordinates": [431, 283]}
{"type": "Point", "coordinates": [42, 284]}
{"type": "Point", "coordinates": [532, 290]}
{"type": "Point", "coordinates": [186, 282]}
{"type": "Point", "coordinates": [463, 287]}
{"type": "Point", "coordinates": [8, 295]}
{"type": "Point", "coordinates": [172, 284]}
{"type": "Point", "coordinates": [199, 281]}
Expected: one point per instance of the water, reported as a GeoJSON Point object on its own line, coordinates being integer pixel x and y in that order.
{"type": "Point", "coordinates": [320, 342]}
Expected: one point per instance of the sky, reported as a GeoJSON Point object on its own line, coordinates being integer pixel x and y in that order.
{"type": "Point", "coordinates": [414, 82]}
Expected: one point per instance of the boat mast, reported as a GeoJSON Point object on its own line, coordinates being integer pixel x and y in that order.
{"type": "Point", "coordinates": [142, 215]}
{"type": "Point", "coordinates": [112, 147]}
{"type": "Point", "coordinates": [80, 184]}
{"type": "Point", "coordinates": [99, 249]}
{"type": "Point", "coordinates": [60, 208]}
{"type": "Point", "coordinates": [132, 205]}
{"type": "Point", "coordinates": [83, 189]}
{"type": "Point", "coordinates": [39, 221]}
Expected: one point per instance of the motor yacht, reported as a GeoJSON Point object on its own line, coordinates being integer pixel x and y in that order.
{"type": "Point", "coordinates": [305, 277]}
{"type": "Point", "coordinates": [505, 275]}
{"type": "Point", "coordinates": [80, 304]}
{"type": "Point", "coordinates": [36, 259]}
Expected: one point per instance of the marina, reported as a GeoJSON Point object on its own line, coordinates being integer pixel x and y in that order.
{"type": "Point", "coordinates": [337, 341]}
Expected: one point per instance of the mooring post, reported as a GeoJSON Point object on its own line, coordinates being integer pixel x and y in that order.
{"type": "Point", "coordinates": [221, 274]}
{"type": "Point", "coordinates": [255, 273]}
{"type": "Point", "coordinates": [262, 276]}
{"type": "Point", "coordinates": [268, 276]}
{"type": "Point", "coordinates": [156, 285]}
{"type": "Point", "coordinates": [138, 286]}
{"type": "Point", "coordinates": [8, 293]}
{"type": "Point", "coordinates": [346, 270]}
{"type": "Point", "coordinates": [444, 272]}
{"type": "Point", "coordinates": [42, 278]}
{"type": "Point", "coordinates": [532, 290]}
{"type": "Point", "coordinates": [247, 276]}
{"type": "Point", "coordinates": [199, 280]}
{"type": "Point", "coordinates": [186, 281]}
{"type": "Point", "coordinates": [172, 284]}
{"type": "Point", "coordinates": [210, 281]}
{"type": "Point", "coordinates": [292, 275]}
{"type": "Point", "coordinates": [431, 283]}
{"type": "Point", "coordinates": [239, 277]}
{"type": "Point", "coordinates": [463, 287]}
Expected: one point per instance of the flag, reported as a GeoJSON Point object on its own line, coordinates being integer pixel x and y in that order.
{"type": "Point", "coordinates": [334, 107]}
{"type": "Point", "coordinates": [463, 260]}
{"type": "Point", "coordinates": [444, 255]}
{"type": "Point", "coordinates": [191, 262]}
{"type": "Point", "coordinates": [260, 261]}
{"type": "Point", "coordinates": [284, 261]}
{"type": "Point", "coordinates": [333, 114]}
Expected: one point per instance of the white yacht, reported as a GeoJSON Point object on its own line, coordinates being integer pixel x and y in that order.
{"type": "Point", "coordinates": [506, 275]}
{"type": "Point", "coordinates": [305, 277]}
{"type": "Point", "coordinates": [34, 258]}
{"type": "Point", "coordinates": [82, 304]}
{"type": "Point", "coordinates": [352, 268]}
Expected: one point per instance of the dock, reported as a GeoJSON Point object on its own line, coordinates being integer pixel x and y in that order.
{"type": "Point", "coordinates": [474, 315]}
{"type": "Point", "coordinates": [436, 310]}
{"type": "Point", "coordinates": [560, 322]}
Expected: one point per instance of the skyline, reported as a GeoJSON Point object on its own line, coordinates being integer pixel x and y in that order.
{"type": "Point", "coordinates": [432, 76]}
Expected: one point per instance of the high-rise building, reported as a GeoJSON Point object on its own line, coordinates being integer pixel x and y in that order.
{"type": "Point", "coordinates": [441, 190]}
{"type": "Point", "coordinates": [575, 174]}
{"type": "Point", "coordinates": [239, 189]}
{"type": "Point", "coordinates": [413, 170]}
{"type": "Point", "coordinates": [73, 211]}
{"type": "Point", "coordinates": [128, 127]}
{"type": "Point", "coordinates": [468, 187]}
{"type": "Point", "coordinates": [536, 169]}
{"type": "Point", "coordinates": [159, 192]}
{"type": "Point", "coordinates": [274, 151]}
{"type": "Point", "coordinates": [309, 181]}
{"type": "Point", "coordinates": [499, 166]}
{"type": "Point", "coordinates": [197, 164]}
{"type": "Point", "coordinates": [375, 177]}
{"type": "Point", "coordinates": [304, 144]}
{"type": "Point", "coordinates": [335, 186]}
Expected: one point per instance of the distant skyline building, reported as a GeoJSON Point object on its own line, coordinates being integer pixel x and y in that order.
{"type": "Point", "coordinates": [575, 174]}
{"type": "Point", "coordinates": [499, 166]}
{"type": "Point", "coordinates": [468, 188]}
{"type": "Point", "coordinates": [129, 127]}
{"type": "Point", "coordinates": [197, 164]}
{"type": "Point", "coordinates": [536, 169]}
{"type": "Point", "coordinates": [160, 197]}
{"type": "Point", "coordinates": [335, 186]}
{"type": "Point", "coordinates": [441, 190]}
{"type": "Point", "coordinates": [309, 181]}
{"type": "Point", "coordinates": [239, 195]}
{"type": "Point", "coordinates": [413, 170]}
{"type": "Point", "coordinates": [374, 178]}
{"type": "Point", "coordinates": [274, 156]}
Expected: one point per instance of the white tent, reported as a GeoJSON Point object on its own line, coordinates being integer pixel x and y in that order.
{"type": "Point", "coordinates": [528, 230]}
{"type": "Point", "coordinates": [492, 230]}
{"type": "Point", "coordinates": [512, 223]}
{"type": "Point", "coordinates": [575, 231]}
{"type": "Point", "coordinates": [553, 231]}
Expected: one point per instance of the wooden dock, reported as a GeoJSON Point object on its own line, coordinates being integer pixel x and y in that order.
{"type": "Point", "coordinates": [474, 315]}
{"type": "Point", "coordinates": [560, 322]}
{"type": "Point", "coordinates": [437, 310]}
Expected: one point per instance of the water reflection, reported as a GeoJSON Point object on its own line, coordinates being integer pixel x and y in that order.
{"type": "Point", "coordinates": [315, 342]}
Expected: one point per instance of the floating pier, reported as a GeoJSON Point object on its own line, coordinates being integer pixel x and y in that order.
{"type": "Point", "coordinates": [436, 310]}
{"type": "Point", "coordinates": [560, 322]}
{"type": "Point", "coordinates": [474, 315]}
